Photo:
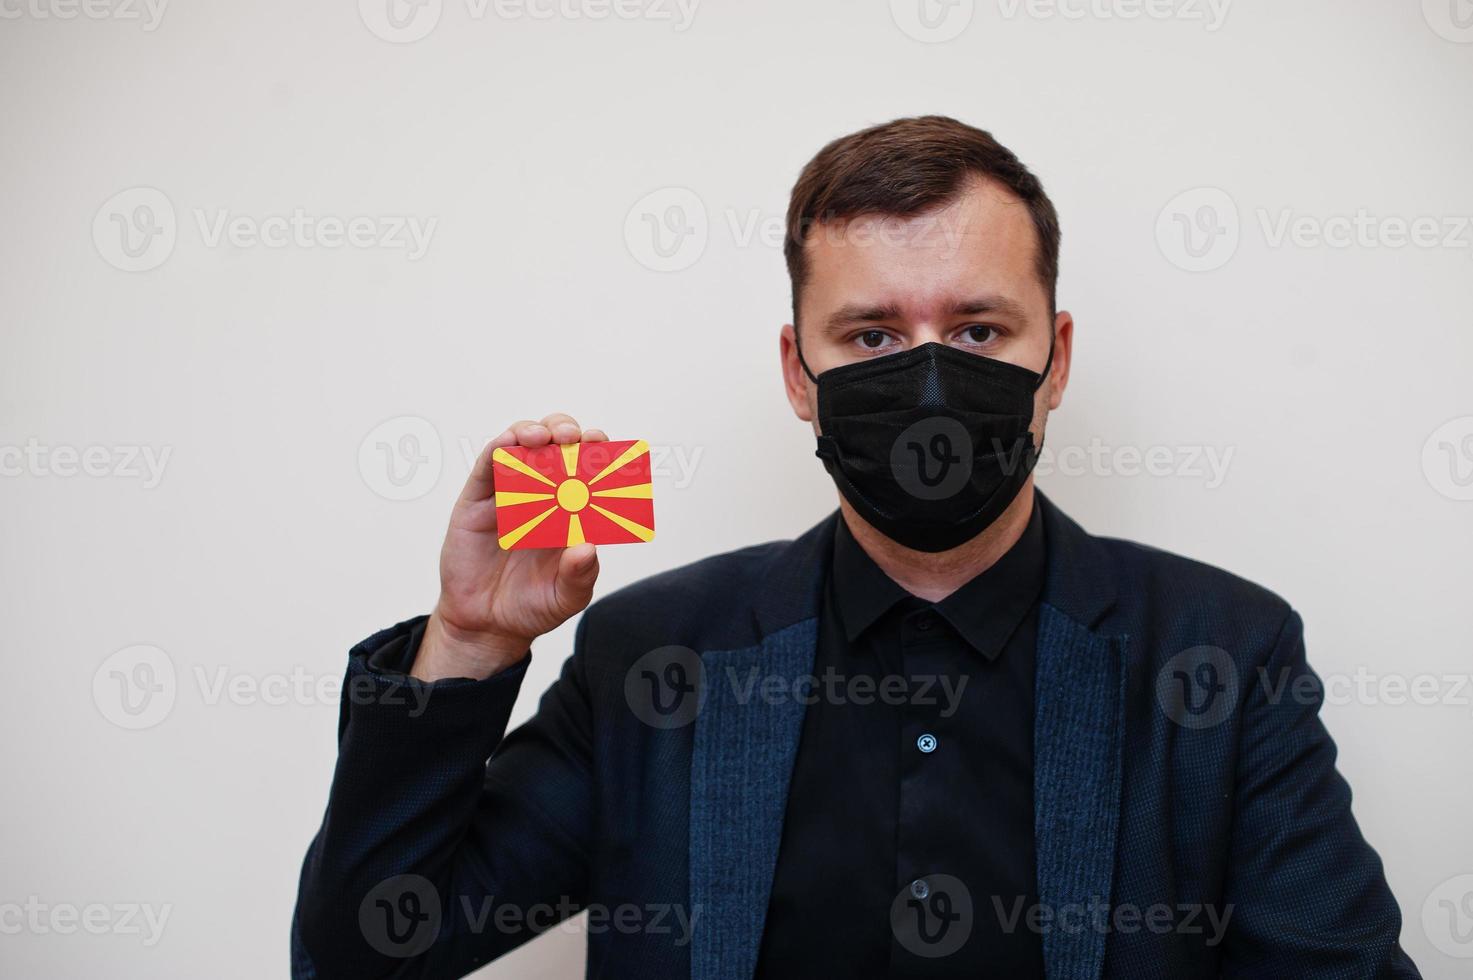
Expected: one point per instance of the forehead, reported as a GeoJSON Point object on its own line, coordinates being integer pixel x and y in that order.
{"type": "Point", "coordinates": [983, 240]}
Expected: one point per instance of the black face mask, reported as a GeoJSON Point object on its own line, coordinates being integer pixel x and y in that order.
{"type": "Point", "coordinates": [931, 445]}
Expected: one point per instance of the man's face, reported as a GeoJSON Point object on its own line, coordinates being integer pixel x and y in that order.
{"type": "Point", "coordinates": [963, 275]}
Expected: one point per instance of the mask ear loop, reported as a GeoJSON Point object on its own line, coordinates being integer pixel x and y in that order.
{"type": "Point", "coordinates": [798, 343]}
{"type": "Point", "coordinates": [1048, 364]}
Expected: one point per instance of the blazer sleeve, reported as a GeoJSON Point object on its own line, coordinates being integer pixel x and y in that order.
{"type": "Point", "coordinates": [432, 860]}
{"type": "Point", "coordinates": [1306, 893]}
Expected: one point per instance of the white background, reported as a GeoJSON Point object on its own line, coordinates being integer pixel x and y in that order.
{"type": "Point", "coordinates": [266, 549]}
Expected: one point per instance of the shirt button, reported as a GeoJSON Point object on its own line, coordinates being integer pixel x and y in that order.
{"type": "Point", "coordinates": [926, 743]}
{"type": "Point", "coordinates": [919, 888]}
{"type": "Point", "coordinates": [924, 623]}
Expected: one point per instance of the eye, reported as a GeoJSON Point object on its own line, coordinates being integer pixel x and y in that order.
{"type": "Point", "coordinates": [979, 333]}
{"type": "Point", "coordinates": [872, 339]}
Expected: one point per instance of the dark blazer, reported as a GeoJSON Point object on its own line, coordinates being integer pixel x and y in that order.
{"type": "Point", "coordinates": [1160, 808]}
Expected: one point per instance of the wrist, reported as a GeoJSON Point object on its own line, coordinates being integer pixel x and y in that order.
{"type": "Point", "coordinates": [447, 650]}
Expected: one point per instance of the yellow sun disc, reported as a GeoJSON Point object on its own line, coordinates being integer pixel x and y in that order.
{"type": "Point", "coordinates": [572, 495]}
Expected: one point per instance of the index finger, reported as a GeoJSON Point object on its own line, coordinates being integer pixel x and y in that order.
{"type": "Point", "coordinates": [479, 485]}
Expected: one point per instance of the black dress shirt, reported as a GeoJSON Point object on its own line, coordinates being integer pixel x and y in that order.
{"type": "Point", "coordinates": [907, 846]}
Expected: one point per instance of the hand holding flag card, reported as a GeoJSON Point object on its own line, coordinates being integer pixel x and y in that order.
{"type": "Point", "coordinates": [558, 496]}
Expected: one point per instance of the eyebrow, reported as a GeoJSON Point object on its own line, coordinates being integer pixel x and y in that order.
{"type": "Point", "coordinates": [852, 313]}
{"type": "Point", "coordinates": [856, 313]}
{"type": "Point", "coordinates": [991, 303]}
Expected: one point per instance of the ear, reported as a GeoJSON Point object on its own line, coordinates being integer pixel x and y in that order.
{"type": "Point", "coordinates": [1063, 354]}
{"type": "Point", "coordinates": [795, 381]}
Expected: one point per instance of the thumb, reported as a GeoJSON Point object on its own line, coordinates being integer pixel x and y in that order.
{"type": "Point", "coordinates": [577, 570]}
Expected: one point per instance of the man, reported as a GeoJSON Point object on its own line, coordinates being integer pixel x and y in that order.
{"type": "Point", "coordinates": [945, 733]}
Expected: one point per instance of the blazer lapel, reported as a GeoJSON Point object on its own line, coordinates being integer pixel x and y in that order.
{"type": "Point", "coordinates": [742, 754]}
{"type": "Point", "coordinates": [1078, 725]}
{"type": "Point", "coordinates": [741, 761]}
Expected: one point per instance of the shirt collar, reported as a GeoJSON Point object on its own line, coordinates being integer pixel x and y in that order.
{"type": "Point", "coordinates": [984, 612]}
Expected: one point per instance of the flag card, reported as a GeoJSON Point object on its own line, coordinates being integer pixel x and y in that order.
{"type": "Point", "coordinates": [557, 496]}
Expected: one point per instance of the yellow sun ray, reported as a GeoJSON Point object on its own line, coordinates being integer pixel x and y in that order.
{"type": "Point", "coordinates": [638, 530]}
{"type": "Point", "coordinates": [512, 537]}
{"type": "Point", "coordinates": [639, 448]}
{"type": "Point", "coordinates": [508, 460]}
{"type": "Point", "coordinates": [575, 531]}
{"type": "Point", "coordinates": [570, 458]}
{"type": "Point", "coordinates": [642, 491]}
{"type": "Point", "coordinates": [506, 498]}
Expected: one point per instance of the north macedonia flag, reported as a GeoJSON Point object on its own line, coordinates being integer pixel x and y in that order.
{"type": "Point", "coordinates": [558, 496]}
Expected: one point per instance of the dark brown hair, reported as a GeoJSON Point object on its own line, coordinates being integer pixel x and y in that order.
{"type": "Point", "coordinates": [905, 168]}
